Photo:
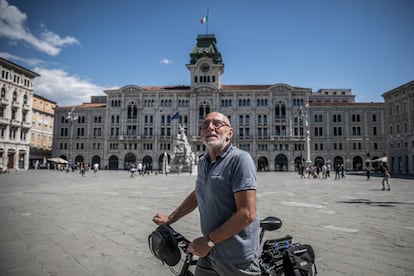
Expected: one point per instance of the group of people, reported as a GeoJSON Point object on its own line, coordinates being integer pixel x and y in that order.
{"type": "Point", "coordinates": [83, 168]}
{"type": "Point", "coordinates": [317, 171]}
{"type": "Point", "coordinates": [137, 168]}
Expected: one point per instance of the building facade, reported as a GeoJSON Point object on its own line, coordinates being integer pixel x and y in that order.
{"type": "Point", "coordinates": [399, 125]}
{"type": "Point", "coordinates": [16, 93]}
{"type": "Point", "coordinates": [41, 133]}
{"type": "Point", "coordinates": [279, 125]}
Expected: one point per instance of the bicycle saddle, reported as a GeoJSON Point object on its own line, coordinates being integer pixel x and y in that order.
{"type": "Point", "coordinates": [271, 223]}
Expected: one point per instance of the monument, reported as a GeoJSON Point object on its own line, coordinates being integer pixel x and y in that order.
{"type": "Point", "coordinates": [183, 157]}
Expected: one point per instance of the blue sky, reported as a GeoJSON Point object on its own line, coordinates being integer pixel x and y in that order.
{"type": "Point", "coordinates": [81, 47]}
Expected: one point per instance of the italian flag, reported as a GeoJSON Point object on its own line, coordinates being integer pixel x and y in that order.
{"type": "Point", "coordinates": [204, 19]}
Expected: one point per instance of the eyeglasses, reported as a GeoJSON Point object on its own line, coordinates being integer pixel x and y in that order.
{"type": "Point", "coordinates": [216, 124]}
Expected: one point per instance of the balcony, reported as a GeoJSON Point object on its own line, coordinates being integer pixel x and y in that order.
{"type": "Point", "coordinates": [165, 138]}
{"type": "Point", "coordinates": [4, 121]}
{"type": "Point", "coordinates": [4, 101]}
{"type": "Point", "coordinates": [15, 123]}
{"type": "Point", "coordinates": [26, 125]}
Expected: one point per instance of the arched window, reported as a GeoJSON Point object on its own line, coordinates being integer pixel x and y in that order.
{"type": "Point", "coordinates": [280, 110]}
{"type": "Point", "coordinates": [129, 114]}
{"type": "Point", "coordinates": [203, 110]}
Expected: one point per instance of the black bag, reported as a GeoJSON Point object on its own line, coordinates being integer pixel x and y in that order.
{"type": "Point", "coordinates": [163, 245]}
{"type": "Point", "coordinates": [299, 260]}
{"type": "Point", "coordinates": [271, 260]}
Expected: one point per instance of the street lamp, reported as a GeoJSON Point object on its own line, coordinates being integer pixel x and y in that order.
{"type": "Point", "coordinates": [307, 138]}
{"type": "Point", "coordinates": [300, 116]}
{"type": "Point", "coordinates": [72, 116]}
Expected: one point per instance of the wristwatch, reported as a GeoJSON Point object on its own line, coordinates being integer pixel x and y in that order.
{"type": "Point", "coordinates": [210, 243]}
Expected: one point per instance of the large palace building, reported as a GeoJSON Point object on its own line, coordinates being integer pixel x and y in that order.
{"type": "Point", "coordinates": [280, 125]}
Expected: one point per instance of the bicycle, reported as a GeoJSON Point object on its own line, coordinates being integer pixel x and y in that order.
{"type": "Point", "coordinates": [271, 259]}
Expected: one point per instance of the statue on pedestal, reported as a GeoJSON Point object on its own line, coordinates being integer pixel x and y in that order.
{"type": "Point", "coordinates": [183, 156]}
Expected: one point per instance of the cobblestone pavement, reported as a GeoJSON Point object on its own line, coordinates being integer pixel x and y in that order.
{"type": "Point", "coordinates": [58, 223]}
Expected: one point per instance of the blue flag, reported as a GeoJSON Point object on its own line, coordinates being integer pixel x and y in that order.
{"type": "Point", "coordinates": [175, 116]}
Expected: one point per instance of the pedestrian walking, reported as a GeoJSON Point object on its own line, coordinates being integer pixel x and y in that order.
{"type": "Point", "coordinates": [82, 169]}
{"type": "Point", "coordinates": [385, 177]}
{"type": "Point", "coordinates": [338, 171]}
{"type": "Point", "coordinates": [95, 168]}
{"type": "Point", "coordinates": [368, 171]}
{"type": "Point", "coordinates": [132, 170]}
{"type": "Point", "coordinates": [302, 171]}
{"type": "Point", "coordinates": [328, 170]}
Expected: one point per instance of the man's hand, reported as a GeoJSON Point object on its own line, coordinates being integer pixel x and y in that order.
{"type": "Point", "coordinates": [160, 218]}
{"type": "Point", "coordinates": [199, 247]}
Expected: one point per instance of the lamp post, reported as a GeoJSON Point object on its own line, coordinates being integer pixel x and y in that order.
{"type": "Point", "coordinates": [300, 115]}
{"type": "Point", "coordinates": [307, 138]}
{"type": "Point", "coordinates": [72, 116]}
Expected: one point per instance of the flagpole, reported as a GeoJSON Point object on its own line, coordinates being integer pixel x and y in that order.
{"type": "Point", "coordinates": [207, 23]}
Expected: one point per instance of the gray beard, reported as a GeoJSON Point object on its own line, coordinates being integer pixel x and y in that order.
{"type": "Point", "coordinates": [214, 146]}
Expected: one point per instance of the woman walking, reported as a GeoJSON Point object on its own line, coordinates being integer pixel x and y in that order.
{"type": "Point", "coordinates": [385, 177]}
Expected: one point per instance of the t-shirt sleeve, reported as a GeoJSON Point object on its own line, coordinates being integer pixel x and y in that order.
{"type": "Point", "coordinates": [244, 176]}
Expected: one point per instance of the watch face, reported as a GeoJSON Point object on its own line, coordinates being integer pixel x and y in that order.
{"type": "Point", "coordinates": [205, 67]}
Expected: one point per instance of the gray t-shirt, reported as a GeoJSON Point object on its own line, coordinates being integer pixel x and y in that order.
{"type": "Point", "coordinates": [231, 172]}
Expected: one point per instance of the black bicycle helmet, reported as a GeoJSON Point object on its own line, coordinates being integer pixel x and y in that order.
{"type": "Point", "coordinates": [163, 245]}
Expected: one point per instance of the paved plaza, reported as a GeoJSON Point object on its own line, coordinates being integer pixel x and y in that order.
{"type": "Point", "coordinates": [58, 223]}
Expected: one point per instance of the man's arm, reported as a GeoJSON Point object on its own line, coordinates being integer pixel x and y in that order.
{"type": "Point", "coordinates": [186, 207]}
{"type": "Point", "coordinates": [244, 215]}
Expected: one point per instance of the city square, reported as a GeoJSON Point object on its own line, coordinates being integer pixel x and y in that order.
{"type": "Point", "coordinates": [59, 223]}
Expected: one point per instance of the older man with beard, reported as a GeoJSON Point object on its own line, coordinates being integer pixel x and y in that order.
{"type": "Point", "coordinates": [225, 194]}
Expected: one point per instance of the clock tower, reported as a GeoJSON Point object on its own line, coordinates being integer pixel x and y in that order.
{"type": "Point", "coordinates": [206, 65]}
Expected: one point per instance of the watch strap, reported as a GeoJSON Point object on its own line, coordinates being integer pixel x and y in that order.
{"type": "Point", "coordinates": [210, 243]}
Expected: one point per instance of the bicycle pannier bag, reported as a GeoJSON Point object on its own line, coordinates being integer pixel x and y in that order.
{"type": "Point", "coordinates": [163, 245]}
{"type": "Point", "coordinates": [299, 260]}
{"type": "Point", "coordinates": [271, 260]}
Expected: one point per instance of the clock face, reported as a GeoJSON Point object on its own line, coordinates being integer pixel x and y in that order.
{"type": "Point", "coordinates": [204, 67]}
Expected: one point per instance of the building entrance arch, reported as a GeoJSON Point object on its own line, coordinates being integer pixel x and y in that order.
{"type": "Point", "coordinates": [262, 164]}
{"type": "Point", "coordinates": [338, 160]}
{"type": "Point", "coordinates": [357, 163]}
{"type": "Point", "coordinates": [113, 162]}
{"type": "Point", "coordinates": [147, 162]}
{"type": "Point", "coordinates": [281, 162]}
{"type": "Point", "coordinates": [129, 159]}
{"type": "Point", "coordinates": [79, 159]}
{"type": "Point", "coordinates": [96, 160]}
{"type": "Point", "coordinates": [319, 161]}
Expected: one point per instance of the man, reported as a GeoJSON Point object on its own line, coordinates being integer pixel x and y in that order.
{"type": "Point", "coordinates": [385, 177]}
{"type": "Point", "coordinates": [225, 195]}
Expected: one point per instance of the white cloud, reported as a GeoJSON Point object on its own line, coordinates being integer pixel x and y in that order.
{"type": "Point", "coordinates": [29, 61]}
{"type": "Point", "coordinates": [57, 85]}
{"type": "Point", "coordinates": [165, 61]}
{"type": "Point", "coordinates": [13, 26]}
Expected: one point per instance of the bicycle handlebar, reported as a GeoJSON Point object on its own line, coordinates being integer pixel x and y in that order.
{"type": "Point", "coordinates": [267, 224]}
